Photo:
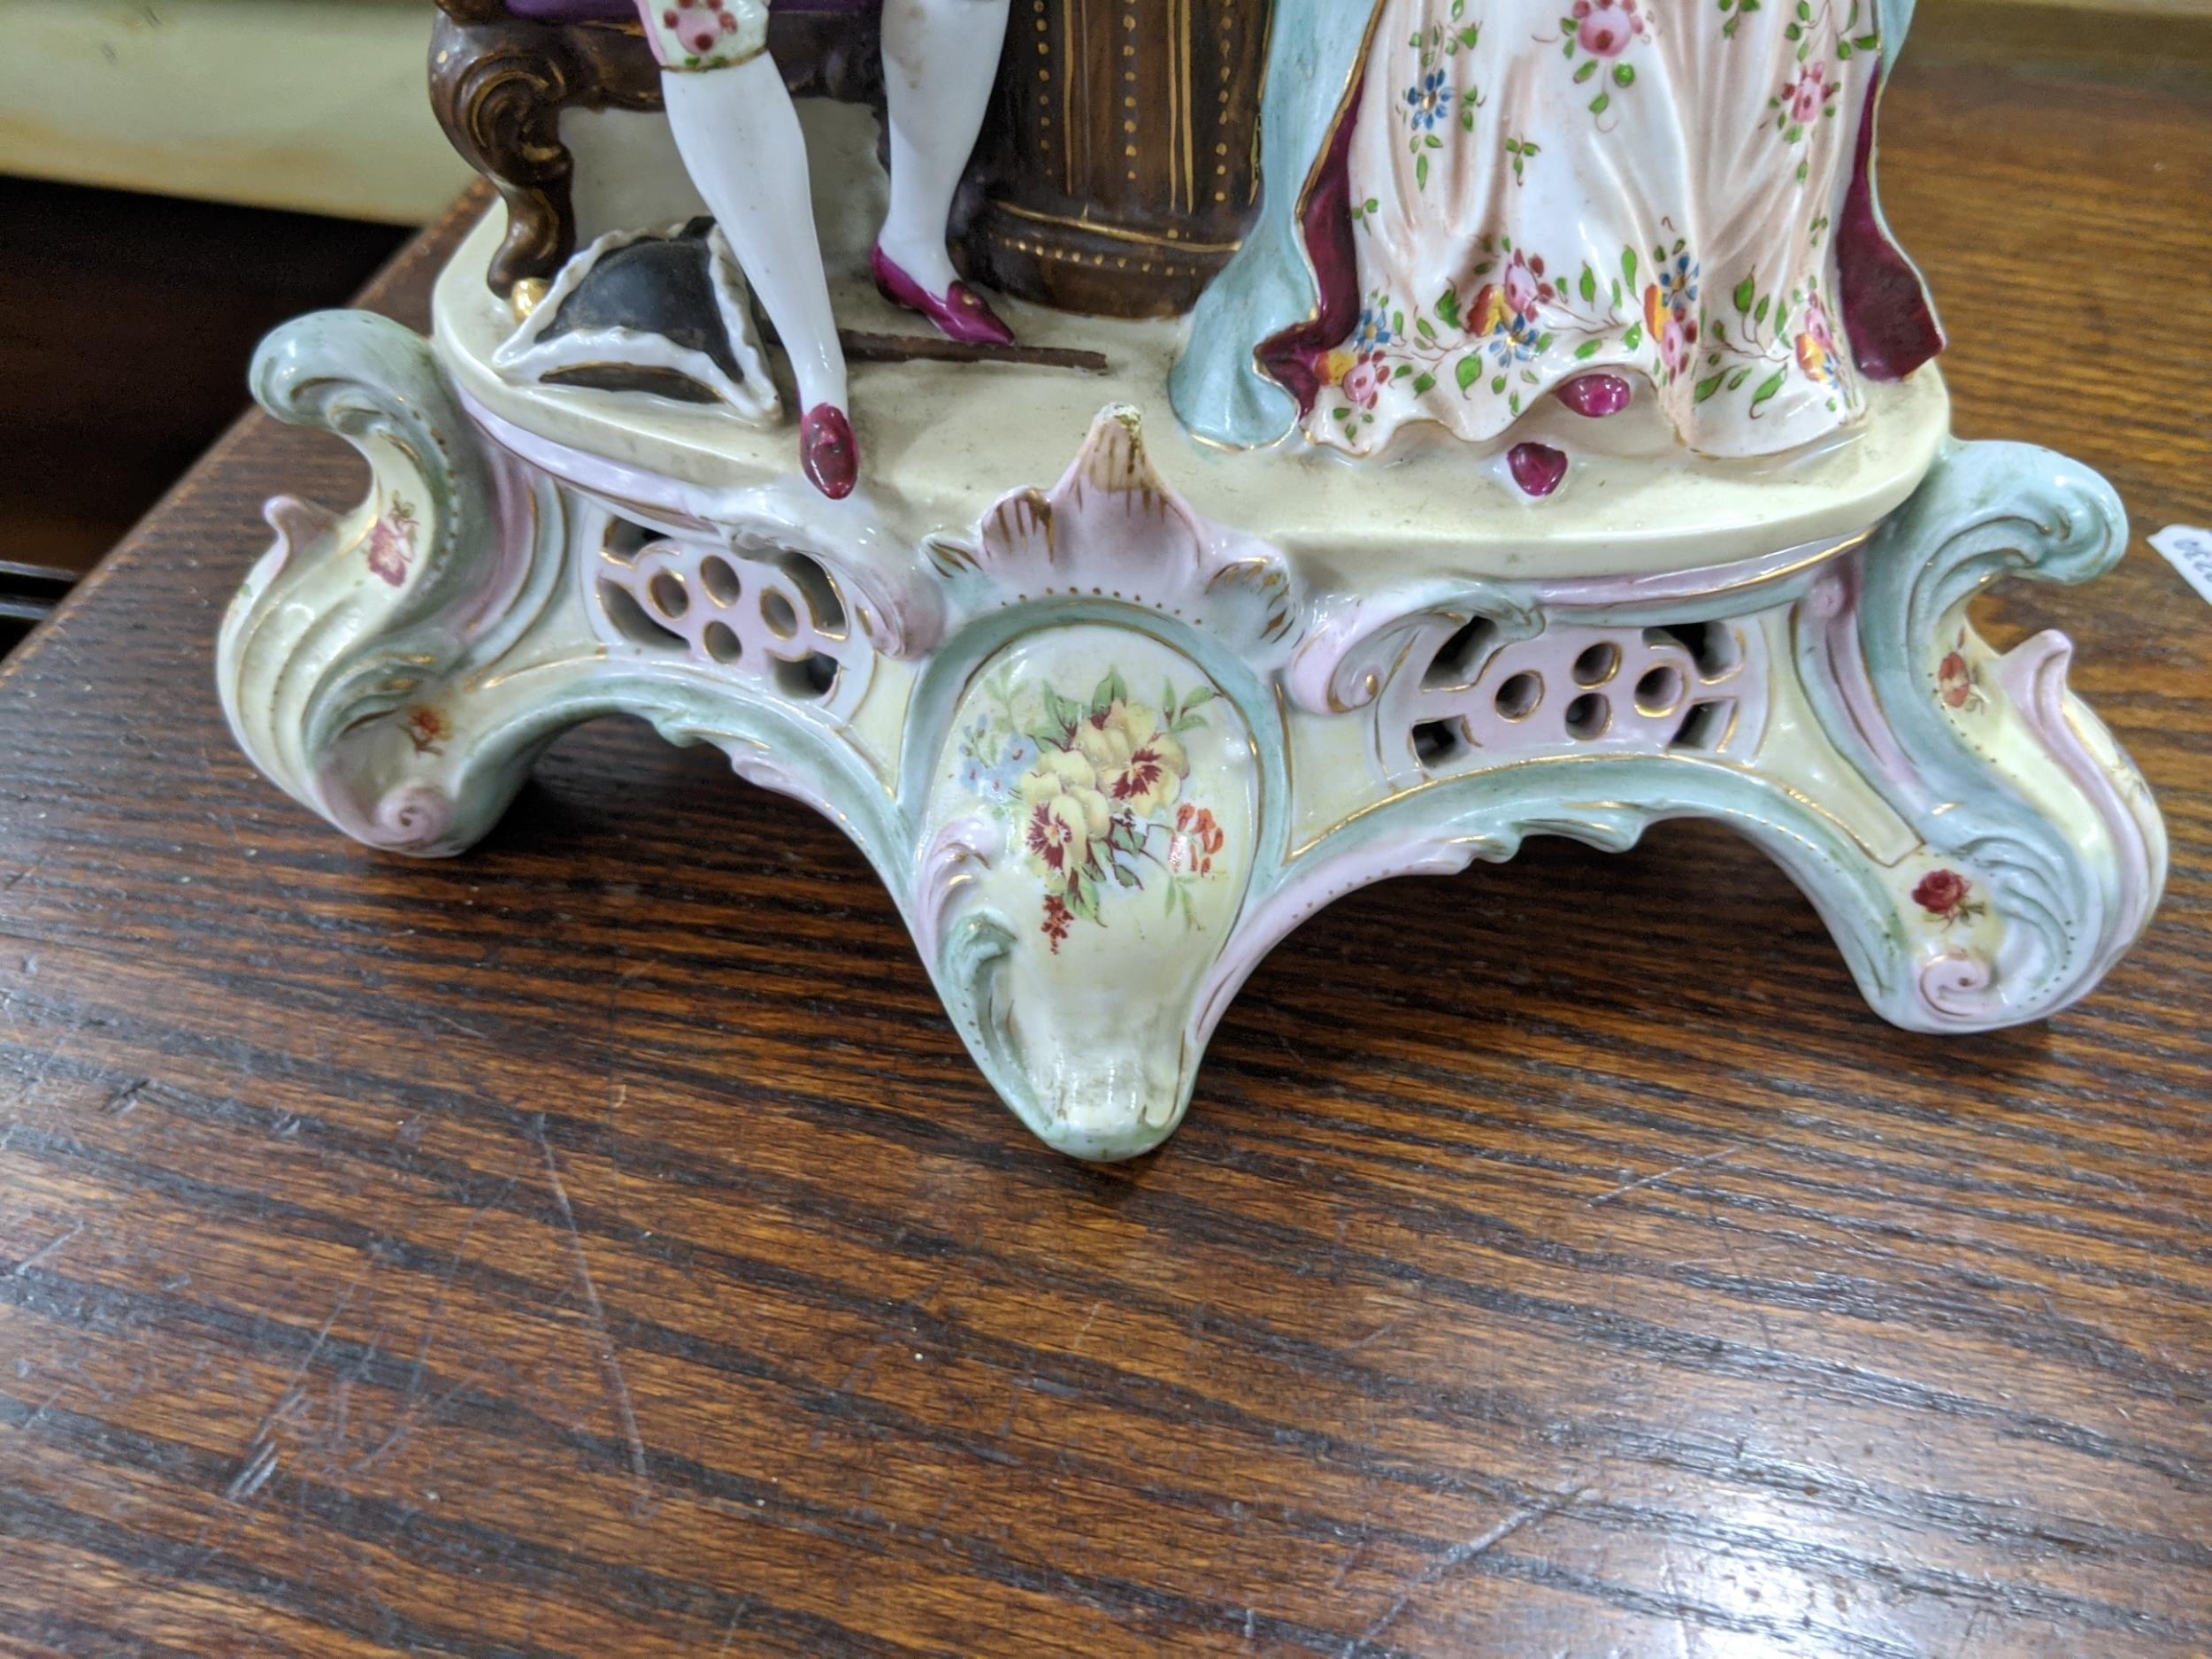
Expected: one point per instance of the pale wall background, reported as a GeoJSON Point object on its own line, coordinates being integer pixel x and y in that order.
{"type": "Point", "coordinates": [316, 104]}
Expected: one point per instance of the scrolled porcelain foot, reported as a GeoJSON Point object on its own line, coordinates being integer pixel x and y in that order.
{"type": "Point", "coordinates": [1091, 830]}
{"type": "Point", "coordinates": [1105, 753]}
{"type": "Point", "coordinates": [2042, 854]}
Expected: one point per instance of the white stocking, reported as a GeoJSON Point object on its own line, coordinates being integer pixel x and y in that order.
{"type": "Point", "coordinates": [940, 59]}
{"type": "Point", "coordinates": [741, 142]}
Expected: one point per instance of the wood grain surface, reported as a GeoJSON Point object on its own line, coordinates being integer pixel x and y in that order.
{"type": "Point", "coordinates": [600, 1244]}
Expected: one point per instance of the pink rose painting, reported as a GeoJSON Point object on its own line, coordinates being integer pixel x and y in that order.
{"type": "Point", "coordinates": [699, 24]}
{"type": "Point", "coordinates": [1520, 285]}
{"type": "Point", "coordinates": [1605, 30]}
{"type": "Point", "coordinates": [1805, 103]}
{"type": "Point", "coordinates": [391, 545]}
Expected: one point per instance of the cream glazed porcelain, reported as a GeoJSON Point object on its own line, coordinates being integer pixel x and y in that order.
{"type": "Point", "coordinates": [1110, 708]}
{"type": "Point", "coordinates": [1639, 190]}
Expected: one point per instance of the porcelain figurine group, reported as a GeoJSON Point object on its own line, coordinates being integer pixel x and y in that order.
{"type": "Point", "coordinates": [1515, 205]}
{"type": "Point", "coordinates": [1550, 443]}
{"type": "Point", "coordinates": [739, 136]}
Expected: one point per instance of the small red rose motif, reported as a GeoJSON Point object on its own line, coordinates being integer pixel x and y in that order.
{"type": "Point", "coordinates": [1956, 683]}
{"type": "Point", "coordinates": [1057, 920]}
{"type": "Point", "coordinates": [425, 729]}
{"type": "Point", "coordinates": [392, 544]}
{"type": "Point", "coordinates": [1944, 893]}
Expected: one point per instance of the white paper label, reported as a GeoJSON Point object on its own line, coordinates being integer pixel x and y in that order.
{"type": "Point", "coordinates": [2189, 550]}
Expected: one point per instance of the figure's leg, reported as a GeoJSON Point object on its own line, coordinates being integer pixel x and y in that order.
{"type": "Point", "coordinates": [940, 59]}
{"type": "Point", "coordinates": [741, 142]}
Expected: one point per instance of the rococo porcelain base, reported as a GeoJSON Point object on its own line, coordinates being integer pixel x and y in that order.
{"type": "Point", "coordinates": [1110, 713]}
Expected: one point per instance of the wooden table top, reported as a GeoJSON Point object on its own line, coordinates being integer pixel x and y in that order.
{"type": "Point", "coordinates": [600, 1244]}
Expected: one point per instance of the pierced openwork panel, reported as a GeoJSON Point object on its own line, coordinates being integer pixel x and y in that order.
{"type": "Point", "coordinates": [1689, 687]}
{"type": "Point", "coordinates": [760, 613]}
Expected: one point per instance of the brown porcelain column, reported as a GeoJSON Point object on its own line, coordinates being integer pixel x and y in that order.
{"type": "Point", "coordinates": [1118, 167]}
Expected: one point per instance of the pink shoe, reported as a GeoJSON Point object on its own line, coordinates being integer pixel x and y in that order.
{"type": "Point", "coordinates": [961, 315]}
{"type": "Point", "coordinates": [828, 452]}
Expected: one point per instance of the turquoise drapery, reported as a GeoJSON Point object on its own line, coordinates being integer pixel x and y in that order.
{"type": "Point", "coordinates": [1313, 58]}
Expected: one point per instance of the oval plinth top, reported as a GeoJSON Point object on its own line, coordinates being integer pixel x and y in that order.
{"type": "Point", "coordinates": [941, 441]}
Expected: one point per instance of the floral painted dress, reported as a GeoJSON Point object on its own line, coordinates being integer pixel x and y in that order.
{"type": "Point", "coordinates": [1646, 187]}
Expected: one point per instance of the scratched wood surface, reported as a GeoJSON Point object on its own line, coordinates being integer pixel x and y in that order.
{"type": "Point", "coordinates": [600, 1244]}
